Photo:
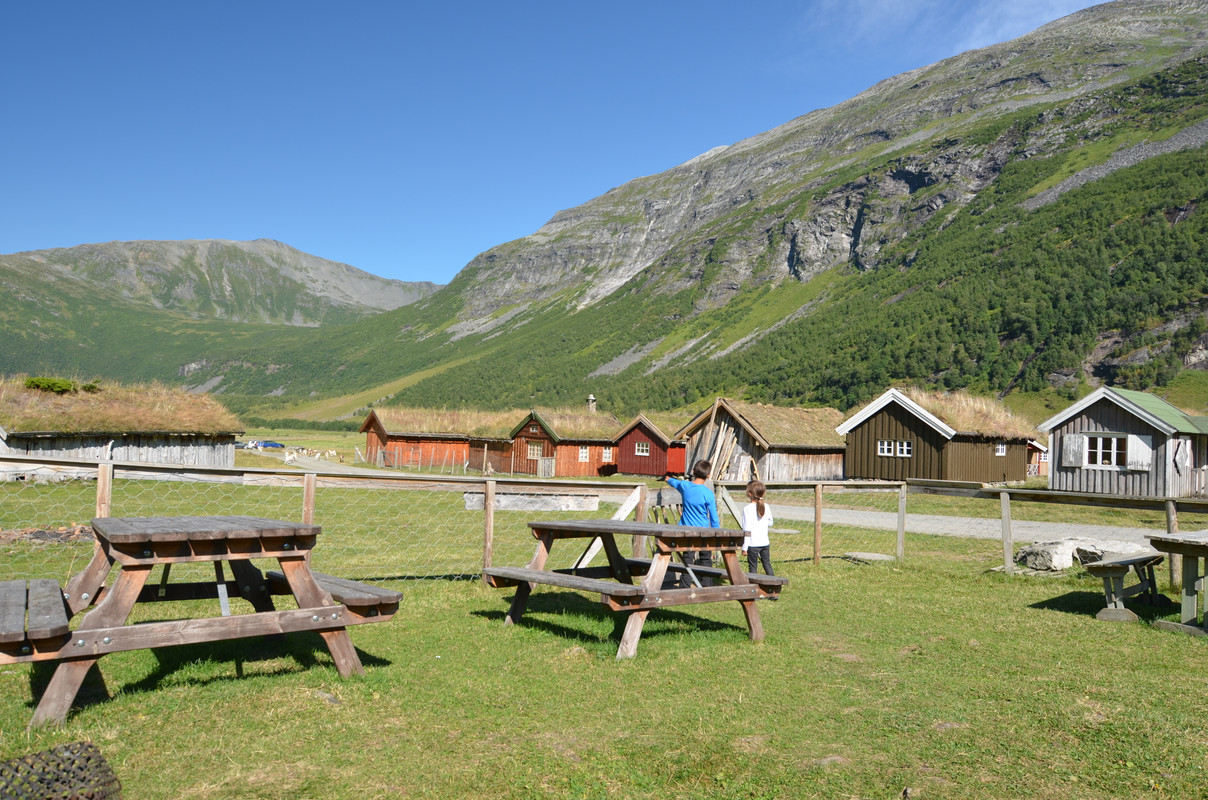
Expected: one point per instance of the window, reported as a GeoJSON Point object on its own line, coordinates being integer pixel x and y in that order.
{"type": "Point", "coordinates": [607, 455]}
{"type": "Point", "coordinates": [534, 428]}
{"type": "Point", "coordinates": [1000, 449]}
{"type": "Point", "coordinates": [899, 449]}
{"type": "Point", "coordinates": [641, 448]}
{"type": "Point", "coordinates": [584, 454]}
{"type": "Point", "coordinates": [534, 450]}
{"type": "Point", "coordinates": [1044, 456]}
{"type": "Point", "coordinates": [1106, 451]}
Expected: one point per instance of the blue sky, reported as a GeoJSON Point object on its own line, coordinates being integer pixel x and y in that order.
{"type": "Point", "coordinates": [405, 138]}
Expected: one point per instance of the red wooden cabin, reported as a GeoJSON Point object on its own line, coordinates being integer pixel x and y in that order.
{"type": "Point", "coordinates": [643, 449]}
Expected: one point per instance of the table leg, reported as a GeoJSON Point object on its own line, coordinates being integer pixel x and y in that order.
{"type": "Point", "coordinates": [69, 675]}
{"type": "Point", "coordinates": [309, 595]}
{"type": "Point", "coordinates": [637, 619]}
{"type": "Point", "coordinates": [1191, 594]}
{"type": "Point", "coordinates": [738, 577]}
{"type": "Point", "coordinates": [545, 543]}
{"type": "Point", "coordinates": [83, 587]}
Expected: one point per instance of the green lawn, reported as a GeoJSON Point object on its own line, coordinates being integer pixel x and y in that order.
{"type": "Point", "coordinates": [933, 674]}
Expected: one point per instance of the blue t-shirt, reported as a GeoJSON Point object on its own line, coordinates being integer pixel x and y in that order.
{"type": "Point", "coordinates": [700, 506]}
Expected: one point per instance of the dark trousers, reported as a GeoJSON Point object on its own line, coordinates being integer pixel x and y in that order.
{"type": "Point", "coordinates": [698, 558]}
{"type": "Point", "coordinates": [760, 555]}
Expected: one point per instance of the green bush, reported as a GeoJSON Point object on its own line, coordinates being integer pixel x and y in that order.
{"type": "Point", "coordinates": [56, 385]}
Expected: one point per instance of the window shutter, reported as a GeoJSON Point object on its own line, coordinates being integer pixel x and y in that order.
{"type": "Point", "coordinates": [1073, 450]}
{"type": "Point", "coordinates": [1140, 452]}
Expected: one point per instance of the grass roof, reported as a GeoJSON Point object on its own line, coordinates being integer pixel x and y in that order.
{"type": "Point", "coordinates": [969, 413]}
{"type": "Point", "coordinates": [136, 408]}
{"type": "Point", "coordinates": [566, 424]}
{"type": "Point", "coordinates": [785, 425]}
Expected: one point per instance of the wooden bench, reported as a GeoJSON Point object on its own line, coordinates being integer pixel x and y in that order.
{"type": "Point", "coordinates": [33, 618]}
{"type": "Point", "coordinates": [621, 594]}
{"type": "Point", "coordinates": [362, 599]}
{"type": "Point", "coordinates": [1113, 568]}
{"type": "Point", "coordinates": [769, 585]}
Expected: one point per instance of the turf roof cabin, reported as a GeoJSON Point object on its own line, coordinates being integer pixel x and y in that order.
{"type": "Point", "coordinates": [429, 439]}
{"type": "Point", "coordinates": [643, 449]}
{"type": "Point", "coordinates": [564, 444]}
{"type": "Point", "coordinates": [146, 424]}
{"type": "Point", "coordinates": [771, 443]}
{"type": "Point", "coordinates": [1121, 442]}
{"type": "Point", "coordinates": [954, 436]}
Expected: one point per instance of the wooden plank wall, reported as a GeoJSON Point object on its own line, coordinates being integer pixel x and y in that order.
{"type": "Point", "coordinates": [1107, 417]}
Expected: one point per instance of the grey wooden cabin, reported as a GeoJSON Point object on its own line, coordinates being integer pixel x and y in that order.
{"type": "Point", "coordinates": [159, 447]}
{"type": "Point", "coordinates": [1122, 442]}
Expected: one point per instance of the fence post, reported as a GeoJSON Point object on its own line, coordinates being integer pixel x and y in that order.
{"type": "Point", "coordinates": [639, 515]}
{"type": "Point", "coordinates": [308, 498]}
{"type": "Point", "coordinates": [817, 524]}
{"type": "Point", "coordinates": [1176, 560]}
{"type": "Point", "coordinates": [1008, 545]}
{"type": "Point", "coordinates": [488, 522]}
{"type": "Point", "coordinates": [901, 522]}
{"type": "Point", "coordinates": [104, 489]}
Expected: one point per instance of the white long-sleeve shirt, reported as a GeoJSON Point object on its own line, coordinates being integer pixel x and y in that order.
{"type": "Point", "coordinates": [756, 527]}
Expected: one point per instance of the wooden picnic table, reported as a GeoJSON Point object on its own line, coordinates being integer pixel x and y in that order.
{"type": "Point", "coordinates": [614, 581]}
{"type": "Point", "coordinates": [1193, 547]}
{"type": "Point", "coordinates": [137, 545]}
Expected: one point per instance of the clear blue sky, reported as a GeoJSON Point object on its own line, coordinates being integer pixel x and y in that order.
{"type": "Point", "coordinates": [405, 138]}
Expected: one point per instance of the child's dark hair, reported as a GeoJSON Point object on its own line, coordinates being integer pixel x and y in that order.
{"type": "Point", "coordinates": [756, 490]}
{"type": "Point", "coordinates": [702, 469]}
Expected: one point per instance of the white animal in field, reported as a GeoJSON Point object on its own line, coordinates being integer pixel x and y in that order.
{"type": "Point", "coordinates": [291, 457]}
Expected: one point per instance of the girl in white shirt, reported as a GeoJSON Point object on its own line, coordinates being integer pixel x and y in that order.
{"type": "Point", "coordinates": [756, 519]}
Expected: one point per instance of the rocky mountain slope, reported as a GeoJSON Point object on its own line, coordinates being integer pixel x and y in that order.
{"type": "Point", "coordinates": [260, 281]}
{"type": "Point", "coordinates": [836, 186]}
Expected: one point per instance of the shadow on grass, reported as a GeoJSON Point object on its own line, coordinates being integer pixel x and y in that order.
{"type": "Point", "coordinates": [304, 648]}
{"type": "Point", "coordinates": [569, 603]}
{"type": "Point", "coordinates": [1091, 603]}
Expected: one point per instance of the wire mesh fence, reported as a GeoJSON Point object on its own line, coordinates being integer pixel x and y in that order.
{"type": "Point", "coordinates": [399, 527]}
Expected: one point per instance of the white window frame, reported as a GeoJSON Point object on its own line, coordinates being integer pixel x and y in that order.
{"type": "Point", "coordinates": [901, 448]}
{"type": "Point", "coordinates": [905, 448]}
{"type": "Point", "coordinates": [1106, 450]}
{"type": "Point", "coordinates": [884, 447]}
{"type": "Point", "coordinates": [534, 450]}
{"type": "Point", "coordinates": [607, 458]}
{"type": "Point", "coordinates": [534, 428]}
{"type": "Point", "coordinates": [1000, 449]}
{"type": "Point", "coordinates": [584, 454]}
{"type": "Point", "coordinates": [641, 449]}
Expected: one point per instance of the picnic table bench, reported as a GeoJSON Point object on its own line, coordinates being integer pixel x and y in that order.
{"type": "Point", "coordinates": [614, 582]}
{"type": "Point", "coordinates": [1113, 568]}
{"type": "Point", "coordinates": [36, 615]}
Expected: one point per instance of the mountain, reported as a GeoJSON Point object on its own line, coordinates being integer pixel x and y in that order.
{"type": "Point", "coordinates": [1028, 217]}
{"type": "Point", "coordinates": [261, 281]}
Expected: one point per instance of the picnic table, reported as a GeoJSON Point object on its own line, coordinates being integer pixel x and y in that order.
{"type": "Point", "coordinates": [137, 545]}
{"type": "Point", "coordinates": [1193, 547]}
{"type": "Point", "coordinates": [614, 581]}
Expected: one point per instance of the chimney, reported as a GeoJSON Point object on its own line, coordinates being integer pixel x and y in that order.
{"type": "Point", "coordinates": [591, 404]}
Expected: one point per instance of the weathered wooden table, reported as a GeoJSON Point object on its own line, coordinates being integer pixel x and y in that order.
{"type": "Point", "coordinates": [139, 544]}
{"type": "Point", "coordinates": [615, 581]}
{"type": "Point", "coordinates": [1193, 547]}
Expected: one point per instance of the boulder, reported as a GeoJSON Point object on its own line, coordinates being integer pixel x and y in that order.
{"type": "Point", "coordinates": [1061, 554]}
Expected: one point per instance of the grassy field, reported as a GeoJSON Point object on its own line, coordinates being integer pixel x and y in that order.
{"type": "Point", "coordinates": [933, 674]}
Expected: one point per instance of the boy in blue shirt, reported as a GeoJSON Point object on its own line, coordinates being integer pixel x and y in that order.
{"type": "Point", "coordinates": [699, 510]}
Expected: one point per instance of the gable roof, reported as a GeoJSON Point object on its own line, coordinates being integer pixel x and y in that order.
{"type": "Point", "coordinates": [775, 426]}
{"type": "Point", "coordinates": [948, 413]}
{"type": "Point", "coordinates": [655, 431]}
{"type": "Point", "coordinates": [1149, 407]}
{"type": "Point", "coordinates": [571, 425]}
{"type": "Point", "coordinates": [443, 422]}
